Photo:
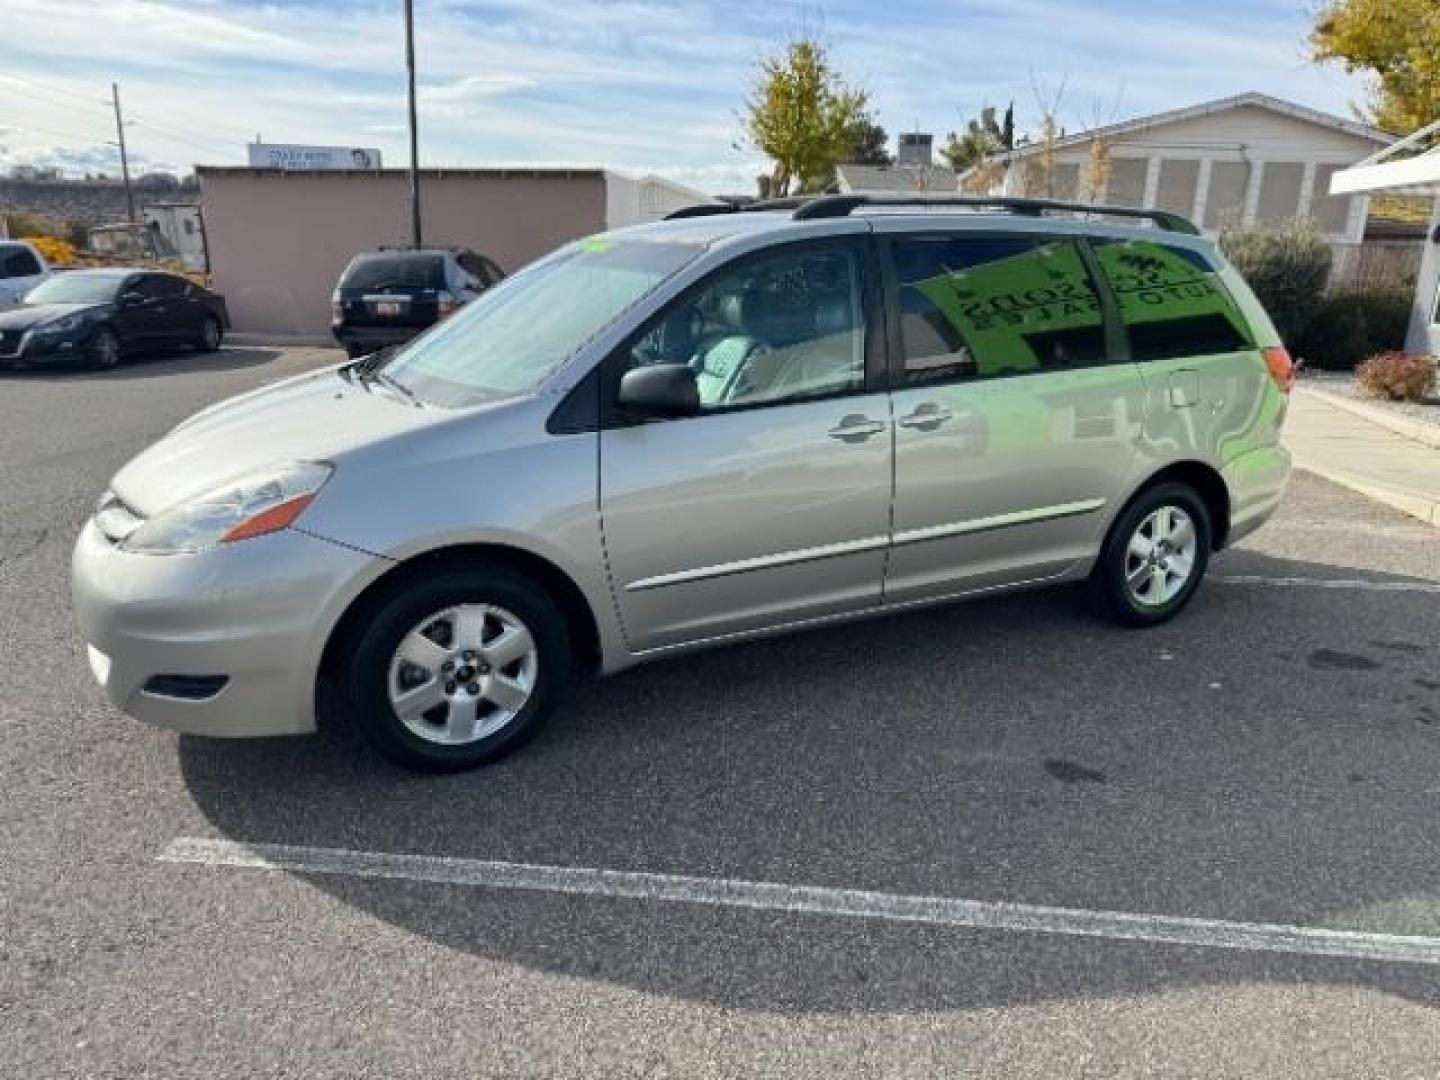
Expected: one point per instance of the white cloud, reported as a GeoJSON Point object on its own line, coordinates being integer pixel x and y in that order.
{"type": "Point", "coordinates": [470, 89]}
{"type": "Point", "coordinates": [642, 85]}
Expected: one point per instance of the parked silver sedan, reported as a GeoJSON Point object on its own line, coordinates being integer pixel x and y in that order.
{"type": "Point", "coordinates": [685, 434]}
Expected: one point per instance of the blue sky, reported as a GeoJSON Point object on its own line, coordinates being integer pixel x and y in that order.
{"type": "Point", "coordinates": [642, 85]}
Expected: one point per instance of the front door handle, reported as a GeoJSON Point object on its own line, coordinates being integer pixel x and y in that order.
{"type": "Point", "coordinates": [857, 427]}
{"type": "Point", "coordinates": [927, 417]}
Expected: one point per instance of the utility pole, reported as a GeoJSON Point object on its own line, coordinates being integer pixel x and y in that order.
{"type": "Point", "coordinates": [414, 136]}
{"type": "Point", "coordinates": [124, 161]}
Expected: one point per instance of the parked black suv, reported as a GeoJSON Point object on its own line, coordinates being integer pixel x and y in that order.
{"type": "Point", "coordinates": [387, 297]}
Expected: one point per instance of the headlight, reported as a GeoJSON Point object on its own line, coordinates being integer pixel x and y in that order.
{"type": "Point", "coordinates": [63, 326]}
{"type": "Point", "coordinates": [251, 506]}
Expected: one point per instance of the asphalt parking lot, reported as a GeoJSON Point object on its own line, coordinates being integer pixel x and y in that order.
{"type": "Point", "coordinates": [1270, 758]}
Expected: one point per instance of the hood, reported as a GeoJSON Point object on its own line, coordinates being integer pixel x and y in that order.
{"type": "Point", "coordinates": [28, 315]}
{"type": "Point", "coordinates": [314, 417]}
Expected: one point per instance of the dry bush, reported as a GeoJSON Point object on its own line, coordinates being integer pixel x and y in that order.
{"type": "Point", "coordinates": [1398, 377]}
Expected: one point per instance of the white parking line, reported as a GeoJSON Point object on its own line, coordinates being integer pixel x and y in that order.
{"type": "Point", "coordinates": [811, 900]}
{"type": "Point", "coordinates": [1331, 583]}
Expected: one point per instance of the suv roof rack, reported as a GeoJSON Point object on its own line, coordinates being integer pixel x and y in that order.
{"type": "Point", "coordinates": [828, 206]}
{"type": "Point", "coordinates": [809, 208]}
{"type": "Point", "coordinates": [790, 202]}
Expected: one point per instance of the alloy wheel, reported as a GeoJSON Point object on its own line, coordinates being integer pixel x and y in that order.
{"type": "Point", "coordinates": [1160, 558]}
{"type": "Point", "coordinates": [463, 674]}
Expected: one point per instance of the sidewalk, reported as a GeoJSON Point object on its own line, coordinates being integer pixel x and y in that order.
{"type": "Point", "coordinates": [1339, 445]}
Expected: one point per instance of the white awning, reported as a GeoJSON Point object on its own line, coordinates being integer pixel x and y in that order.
{"type": "Point", "coordinates": [1385, 174]}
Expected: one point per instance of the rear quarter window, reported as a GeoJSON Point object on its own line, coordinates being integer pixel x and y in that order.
{"type": "Point", "coordinates": [1172, 300]}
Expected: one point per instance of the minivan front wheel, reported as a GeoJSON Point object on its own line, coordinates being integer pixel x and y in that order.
{"type": "Point", "coordinates": [456, 670]}
{"type": "Point", "coordinates": [1155, 556]}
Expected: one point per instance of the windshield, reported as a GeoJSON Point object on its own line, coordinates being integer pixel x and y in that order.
{"type": "Point", "coordinates": [514, 336]}
{"type": "Point", "coordinates": [74, 288]}
{"type": "Point", "coordinates": [415, 270]}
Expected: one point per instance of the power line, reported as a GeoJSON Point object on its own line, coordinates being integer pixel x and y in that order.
{"type": "Point", "coordinates": [53, 103]}
{"type": "Point", "coordinates": [176, 136]}
{"type": "Point", "coordinates": [51, 87]}
{"type": "Point", "coordinates": [239, 133]}
{"type": "Point", "coordinates": [60, 134]}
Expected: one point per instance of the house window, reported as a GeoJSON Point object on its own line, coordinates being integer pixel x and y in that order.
{"type": "Point", "coordinates": [1225, 203]}
{"type": "Point", "coordinates": [1178, 179]}
{"type": "Point", "coordinates": [1065, 180]}
{"type": "Point", "coordinates": [1331, 212]}
{"type": "Point", "coordinates": [1280, 191]}
{"type": "Point", "coordinates": [1127, 182]}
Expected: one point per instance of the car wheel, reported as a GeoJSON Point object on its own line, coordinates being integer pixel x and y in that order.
{"type": "Point", "coordinates": [355, 352]}
{"type": "Point", "coordinates": [457, 670]}
{"type": "Point", "coordinates": [1155, 556]}
{"type": "Point", "coordinates": [211, 334]}
{"type": "Point", "coordinates": [104, 349]}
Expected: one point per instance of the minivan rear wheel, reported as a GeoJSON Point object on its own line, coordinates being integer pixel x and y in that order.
{"type": "Point", "coordinates": [456, 670]}
{"type": "Point", "coordinates": [1155, 556]}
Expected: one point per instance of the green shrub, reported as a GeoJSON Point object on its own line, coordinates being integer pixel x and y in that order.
{"type": "Point", "coordinates": [1348, 328]}
{"type": "Point", "coordinates": [1287, 265]}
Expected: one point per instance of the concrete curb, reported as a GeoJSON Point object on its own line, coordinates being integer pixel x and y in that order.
{"type": "Point", "coordinates": [1421, 431]}
{"type": "Point", "coordinates": [1419, 506]}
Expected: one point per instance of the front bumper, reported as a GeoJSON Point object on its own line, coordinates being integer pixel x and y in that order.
{"type": "Point", "coordinates": [257, 613]}
{"type": "Point", "coordinates": [38, 350]}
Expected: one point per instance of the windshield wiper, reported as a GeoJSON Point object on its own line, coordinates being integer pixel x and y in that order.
{"type": "Point", "coordinates": [366, 365]}
{"type": "Point", "coordinates": [394, 384]}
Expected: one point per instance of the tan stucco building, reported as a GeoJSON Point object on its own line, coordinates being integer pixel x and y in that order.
{"type": "Point", "coordinates": [279, 239]}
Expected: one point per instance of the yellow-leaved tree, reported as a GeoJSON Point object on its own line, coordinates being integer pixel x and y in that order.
{"type": "Point", "coordinates": [803, 116]}
{"type": "Point", "coordinates": [1396, 41]}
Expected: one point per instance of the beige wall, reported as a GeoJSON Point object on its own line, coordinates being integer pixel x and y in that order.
{"type": "Point", "coordinates": [278, 241]}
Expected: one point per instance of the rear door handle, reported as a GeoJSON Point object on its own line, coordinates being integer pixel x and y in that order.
{"type": "Point", "coordinates": [857, 427]}
{"type": "Point", "coordinates": [927, 417]}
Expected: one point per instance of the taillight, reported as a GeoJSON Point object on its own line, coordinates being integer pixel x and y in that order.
{"type": "Point", "coordinates": [446, 304]}
{"type": "Point", "coordinates": [337, 309]}
{"type": "Point", "coordinates": [1281, 367]}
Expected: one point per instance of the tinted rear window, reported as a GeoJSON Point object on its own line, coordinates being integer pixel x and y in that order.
{"type": "Point", "coordinates": [402, 271]}
{"type": "Point", "coordinates": [1173, 301]}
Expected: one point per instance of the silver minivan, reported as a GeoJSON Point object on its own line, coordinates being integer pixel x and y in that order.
{"type": "Point", "coordinates": [688, 433]}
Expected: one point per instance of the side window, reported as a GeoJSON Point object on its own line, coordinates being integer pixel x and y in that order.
{"type": "Point", "coordinates": [18, 262]}
{"type": "Point", "coordinates": [167, 287]}
{"type": "Point", "coordinates": [145, 285]}
{"type": "Point", "coordinates": [1172, 300]}
{"type": "Point", "coordinates": [783, 327]}
{"type": "Point", "coordinates": [978, 306]}
{"type": "Point", "coordinates": [473, 270]}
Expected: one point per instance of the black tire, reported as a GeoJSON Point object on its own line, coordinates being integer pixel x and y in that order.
{"type": "Point", "coordinates": [211, 335]}
{"type": "Point", "coordinates": [1117, 562]}
{"type": "Point", "coordinates": [365, 673]}
{"type": "Point", "coordinates": [355, 352]}
{"type": "Point", "coordinates": [103, 351]}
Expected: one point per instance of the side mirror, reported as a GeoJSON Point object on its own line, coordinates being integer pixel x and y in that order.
{"type": "Point", "coordinates": [660, 390]}
{"type": "Point", "coordinates": [131, 299]}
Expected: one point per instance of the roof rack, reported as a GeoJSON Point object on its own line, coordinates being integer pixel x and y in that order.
{"type": "Point", "coordinates": [809, 208]}
{"type": "Point", "coordinates": [830, 206]}
{"type": "Point", "coordinates": [790, 202]}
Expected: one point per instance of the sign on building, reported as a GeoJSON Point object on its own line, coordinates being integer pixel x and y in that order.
{"type": "Point", "coordinates": [311, 158]}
